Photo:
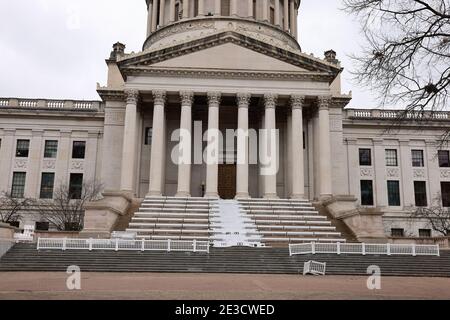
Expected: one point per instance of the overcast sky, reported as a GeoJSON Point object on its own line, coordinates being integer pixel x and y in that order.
{"type": "Point", "coordinates": [56, 48]}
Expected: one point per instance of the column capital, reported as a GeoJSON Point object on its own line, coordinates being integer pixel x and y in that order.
{"type": "Point", "coordinates": [270, 100]}
{"type": "Point", "coordinates": [297, 101]}
{"type": "Point", "coordinates": [187, 98]}
{"type": "Point", "coordinates": [243, 99]}
{"type": "Point", "coordinates": [159, 97]}
{"type": "Point", "coordinates": [214, 98]}
{"type": "Point", "coordinates": [132, 96]}
{"type": "Point", "coordinates": [324, 102]}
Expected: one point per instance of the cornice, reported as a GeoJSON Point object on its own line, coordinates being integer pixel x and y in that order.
{"type": "Point", "coordinates": [111, 95]}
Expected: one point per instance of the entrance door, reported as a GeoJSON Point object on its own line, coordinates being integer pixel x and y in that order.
{"type": "Point", "coordinates": [227, 181]}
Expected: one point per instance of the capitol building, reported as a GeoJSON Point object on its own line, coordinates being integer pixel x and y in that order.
{"type": "Point", "coordinates": [213, 77]}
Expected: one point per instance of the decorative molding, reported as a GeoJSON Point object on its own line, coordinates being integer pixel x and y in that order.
{"type": "Point", "coordinates": [270, 100]}
{"type": "Point", "coordinates": [243, 99]}
{"type": "Point", "coordinates": [445, 174]}
{"type": "Point", "coordinates": [392, 172]}
{"type": "Point", "coordinates": [77, 165]}
{"type": "Point", "coordinates": [366, 172]}
{"type": "Point", "coordinates": [419, 173]}
{"type": "Point", "coordinates": [115, 117]}
{"type": "Point", "coordinates": [324, 102]}
{"type": "Point", "coordinates": [159, 97]}
{"type": "Point", "coordinates": [132, 96]}
{"type": "Point", "coordinates": [187, 98]}
{"type": "Point", "coordinates": [49, 164]}
{"type": "Point", "coordinates": [214, 98]}
{"type": "Point", "coordinates": [21, 164]}
{"type": "Point", "coordinates": [297, 101]}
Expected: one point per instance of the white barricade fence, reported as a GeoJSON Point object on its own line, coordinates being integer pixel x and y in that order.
{"type": "Point", "coordinates": [5, 245]}
{"type": "Point", "coordinates": [314, 268]}
{"type": "Point", "coordinates": [122, 245]}
{"type": "Point", "coordinates": [364, 249]}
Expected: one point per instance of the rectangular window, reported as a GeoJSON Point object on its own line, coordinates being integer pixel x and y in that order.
{"type": "Point", "coordinates": [47, 182]}
{"type": "Point", "coordinates": [417, 158]}
{"type": "Point", "coordinates": [42, 226]}
{"type": "Point", "coordinates": [366, 193]}
{"type": "Point", "coordinates": [272, 15]}
{"type": "Point", "coordinates": [444, 158]}
{"type": "Point", "coordinates": [78, 150]}
{"type": "Point", "coordinates": [420, 193]}
{"type": "Point", "coordinates": [425, 233]}
{"type": "Point", "coordinates": [76, 185]}
{"type": "Point", "coordinates": [393, 193]}
{"type": "Point", "coordinates": [22, 148]}
{"type": "Point", "coordinates": [18, 184]}
{"type": "Point", "coordinates": [51, 149]}
{"type": "Point", "coordinates": [148, 136]}
{"type": "Point", "coordinates": [397, 232]}
{"type": "Point", "coordinates": [391, 158]}
{"type": "Point", "coordinates": [365, 157]}
{"type": "Point", "coordinates": [445, 192]}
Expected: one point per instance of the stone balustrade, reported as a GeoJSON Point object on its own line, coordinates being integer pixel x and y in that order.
{"type": "Point", "coordinates": [395, 114]}
{"type": "Point", "coordinates": [75, 105]}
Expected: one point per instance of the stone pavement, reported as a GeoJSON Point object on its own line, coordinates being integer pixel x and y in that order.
{"type": "Point", "coordinates": [216, 287]}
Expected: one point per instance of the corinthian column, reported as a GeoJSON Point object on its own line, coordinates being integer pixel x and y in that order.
{"type": "Point", "coordinates": [277, 12]}
{"type": "Point", "coordinates": [162, 7]}
{"type": "Point", "coordinates": [129, 142]}
{"type": "Point", "coordinates": [154, 15]}
{"type": "Point", "coordinates": [185, 150]}
{"type": "Point", "coordinates": [158, 144]}
{"type": "Point", "coordinates": [286, 14]}
{"type": "Point", "coordinates": [324, 147]}
{"type": "Point", "coordinates": [172, 11]}
{"type": "Point", "coordinates": [149, 18]}
{"type": "Point", "coordinates": [292, 16]}
{"type": "Point", "coordinates": [212, 165]}
{"type": "Point", "coordinates": [243, 100]}
{"type": "Point", "coordinates": [201, 7]}
{"type": "Point", "coordinates": [269, 159]}
{"type": "Point", "coordinates": [298, 176]}
{"type": "Point", "coordinates": [185, 9]}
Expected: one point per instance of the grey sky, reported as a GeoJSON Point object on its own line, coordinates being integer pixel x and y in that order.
{"type": "Point", "coordinates": [56, 48]}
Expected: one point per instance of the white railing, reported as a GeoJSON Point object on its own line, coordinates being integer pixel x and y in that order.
{"type": "Point", "coordinates": [5, 245]}
{"type": "Point", "coordinates": [393, 114]}
{"type": "Point", "coordinates": [50, 104]}
{"type": "Point", "coordinates": [314, 268]}
{"type": "Point", "coordinates": [364, 249]}
{"type": "Point", "coordinates": [122, 245]}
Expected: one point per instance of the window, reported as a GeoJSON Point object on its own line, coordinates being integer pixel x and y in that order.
{"type": "Point", "coordinates": [445, 191]}
{"type": "Point", "coordinates": [177, 12]}
{"type": "Point", "coordinates": [444, 161]}
{"type": "Point", "coordinates": [393, 193]}
{"type": "Point", "coordinates": [47, 182]}
{"type": "Point", "coordinates": [365, 157]}
{"type": "Point", "coordinates": [391, 158]}
{"type": "Point", "coordinates": [366, 193]}
{"type": "Point", "coordinates": [420, 193]}
{"type": "Point", "coordinates": [417, 158]}
{"type": "Point", "coordinates": [51, 149]}
{"type": "Point", "coordinates": [425, 233]}
{"type": "Point", "coordinates": [272, 15]}
{"type": "Point", "coordinates": [78, 149]}
{"type": "Point", "coordinates": [76, 185]}
{"type": "Point", "coordinates": [18, 184]}
{"type": "Point", "coordinates": [397, 232]}
{"type": "Point", "coordinates": [254, 9]}
{"type": "Point", "coordinates": [148, 136]}
{"type": "Point", "coordinates": [42, 226]}
{"type": "Point", "coordinates": [23, 148]}
{"type": "Point", "coordinates": [225, 8]}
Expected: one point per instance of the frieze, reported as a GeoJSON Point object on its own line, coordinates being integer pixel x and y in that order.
{"type": "Point", "coordinates": [21, 164]}
{"type": "Point", "coordinates": [419, 173]}
{"type": "Point", "coordinates": [445, 174]}
{"type": "Point", "coordinates": [77, 165]}
{"type": "Point", "coordinates": [392, 173]}
{"type": "Point", "coordinates": [366, 172]}
{"type": "Point", "coordinates": [49, 165]}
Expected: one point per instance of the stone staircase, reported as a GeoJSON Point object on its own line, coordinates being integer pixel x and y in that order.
{"type": "Point", "coordinates": [268, 222]}
{"type": "Point", "coordinates": [25, 257]}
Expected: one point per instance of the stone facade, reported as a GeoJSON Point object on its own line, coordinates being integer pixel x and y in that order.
{"type": "Point", "coordinates": [203, 70]}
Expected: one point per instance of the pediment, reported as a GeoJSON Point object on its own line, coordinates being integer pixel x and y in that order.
{"type": "Point", "coordinates": [228, 51]}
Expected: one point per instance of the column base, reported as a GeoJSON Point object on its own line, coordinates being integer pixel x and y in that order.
{"type": "Point", "coordinates": [298, 197]}
{"type": "Point", "coordinates": [242, 196]}
{"type": "Point", "coordinates": [271, 196]}
{"type": "Point", "coordinates": [154, 194]}
{"type": "Point", "coordinates": [183, 195]}
{"type": "Point", "coordinates": [212, 195]}
{"type": "Point", "coordinates": [325, 197]}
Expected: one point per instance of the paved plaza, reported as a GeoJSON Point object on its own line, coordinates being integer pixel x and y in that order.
{"type": "Point", "coordinates": [113, 286]}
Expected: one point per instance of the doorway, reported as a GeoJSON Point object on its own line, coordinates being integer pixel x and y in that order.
{"type": "Point", "coordinates": [227, 181]}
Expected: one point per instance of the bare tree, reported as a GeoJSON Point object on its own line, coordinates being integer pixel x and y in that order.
{"type": "Point", "coordinates": [11, 207]}
{"type": "Point", "coordinates": [406, 58]}
{"type": "Point", "coordinates": [66, 210]}
{"type": "Point", "coordinates": [437, 216]}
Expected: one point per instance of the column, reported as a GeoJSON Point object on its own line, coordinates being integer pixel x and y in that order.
{"type": "Point", "coordinates": [154, 15]}
{"type": "Point", "coordinates": [277, 13]}
{"type": "Point", "coordinates": [233, 8]}
{"type": "Point", "coordinates": [286, 14]}
{"type": "Point", "coordinates": [6, 158]}
{"type": "Point", "coordinates": [91, 163]}
{"type": "Point", "coordinates": [406, 176]}
{"type": "Point", "coordinates": [243, 100]}
{"type": "Point", "coordinates": [212, 168]}
{"type": "Point", "coordinates": [158, 144]}
{"type": "Point", "coordinates": [250, 8]}
{"type": "Point", "coordinates": [185, 9]}
{"type": "Point", "coordinates": [34, 165]}
{"type": "Point", "coordinates": [129, 142]}
{"type": "Point", "coordinates": [380, 187]}
{"type": "Point", "coordinates": [265, 11]}
{"type": "Point", "coordinates": [217, 7]}
{"type": "Point", "coordinates": [298, 175]}
{"type": "Point", "coordinates": [149, 18]}
{"type": "Point", "coordinates": [172, 11]}
{"type": "Point", "coordinates": [292, 16]}
{"type": "Point", "coordinates": [324, 148]}
{"type": "Point", "coordinates": [270, 148]}
{"type": "Point", "coordinates": [296, 24]}
{"type": "Point", "coordinates": [201, 7]}
{"type": "Point", "coordinates": [162, 7]}
{"type": "Point", "coordinates": [185, 146]}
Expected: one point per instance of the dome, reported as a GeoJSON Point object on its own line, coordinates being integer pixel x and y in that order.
{"type": "Point", "coordinates": [172, 22]}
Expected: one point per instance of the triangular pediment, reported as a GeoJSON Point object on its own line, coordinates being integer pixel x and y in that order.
{"type": "Point", "coordinates": [228, 51]}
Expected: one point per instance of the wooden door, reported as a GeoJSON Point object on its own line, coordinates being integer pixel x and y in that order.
{"type": "Point", "coordinates": [227, 181]}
